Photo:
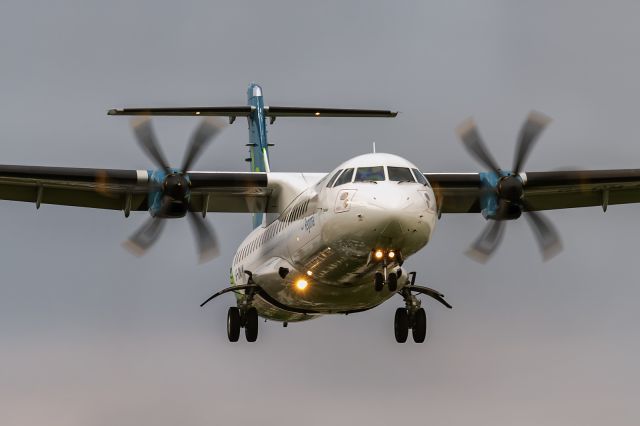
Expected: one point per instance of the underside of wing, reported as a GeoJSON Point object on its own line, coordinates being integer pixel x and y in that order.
{"type": "Point", "coordinates": [461, 192]}
{"type": "Point", "coordinates": [128, 190]}
{"type": "Point", "coordinates": [456, 192]}
{"type": "Point", "coordinates": [79, 187]}
{"type": "Point", "coordinates": [582, 188]}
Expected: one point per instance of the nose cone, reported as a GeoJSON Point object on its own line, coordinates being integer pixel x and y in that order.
{"type": "Point", "coordinates": [395, 215]}
{"type": "Point", "coordinates": [388, 215]}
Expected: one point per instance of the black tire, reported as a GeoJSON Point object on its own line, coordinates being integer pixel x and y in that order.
{"type": "Point", "coordinates": [392, 281]}
{"type": "Point", "coordinates": [251, 325]}
{"type": "Point", "coordinates": [419, 329]}
{"type": "Point", "coordinates": [378, 281]}
{"type": "Point", "coordinates": [233, 324]}
{"type": "Point", "coordinates": [401, 325]}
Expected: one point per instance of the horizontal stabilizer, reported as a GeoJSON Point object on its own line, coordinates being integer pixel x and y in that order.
{"type": "Point", "coordinates": [243, 111]}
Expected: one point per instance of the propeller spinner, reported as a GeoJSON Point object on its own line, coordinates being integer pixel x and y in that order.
{"type": "Point", "coordinates": [170, 189]}
{"type": "Point", "coordinates": [503, 196]}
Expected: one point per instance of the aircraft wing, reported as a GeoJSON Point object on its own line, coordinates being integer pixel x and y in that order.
{"type": "Point", "coordinates": [127, 190]}
{"type": "Point", "coordinates": [460, 192]}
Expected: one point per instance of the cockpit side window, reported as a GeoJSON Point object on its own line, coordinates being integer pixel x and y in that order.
{"type": "Point", "coordinates": [369, 174]}
{"type": "Point", "coordinates": [420, 177]}
{"type": "Point", "coordinates": [345, 177]}
{"type": "Point", "coordinates": [400, 174]}
{"type": "Point", "coordinates": [333, 179]}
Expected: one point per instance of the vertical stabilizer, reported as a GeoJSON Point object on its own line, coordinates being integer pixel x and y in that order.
{"type": "Point", "coordinates": [258, 146]}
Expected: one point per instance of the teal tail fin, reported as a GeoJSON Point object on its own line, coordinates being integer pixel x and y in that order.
{"type": "Point", "coordinates": [258, 145]}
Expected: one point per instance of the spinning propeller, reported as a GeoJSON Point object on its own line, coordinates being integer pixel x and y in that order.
{"type": "Point", "coordinates": [170, 190]}
{"type": "Point", "coordinates": [502, 197]}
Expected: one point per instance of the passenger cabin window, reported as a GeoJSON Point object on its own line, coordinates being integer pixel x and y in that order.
{"type": "Point", "coordinates": [420, 177]}
{"type": "Point", "coordinates": [400, 174]}
{"type": "Point", "coordinates": [345, 177]}
{"type": "Point", "coordinates": [333, 179]}
{"type": "Point", "coordinates": [369, 174]}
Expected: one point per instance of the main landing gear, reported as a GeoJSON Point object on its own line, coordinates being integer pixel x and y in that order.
{"type": "Point", "coordinates": [244, 315]}
{"type": "Point", "coordinates": [412, 316]}
{"type": "Point", "coordinates": [248, 320]}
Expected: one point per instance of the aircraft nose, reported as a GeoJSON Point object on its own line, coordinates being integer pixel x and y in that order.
{"type": "Point", "coordinates": [387, 215]}
{"type": "Point", "coordinates": [396, 214]}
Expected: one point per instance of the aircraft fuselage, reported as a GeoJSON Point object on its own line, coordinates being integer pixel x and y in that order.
{"type": "Point", "coordinates": [329, 234]}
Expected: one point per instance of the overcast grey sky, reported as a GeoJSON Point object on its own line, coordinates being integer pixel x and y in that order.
{"type": "Point", "coordinates": [90, 335]}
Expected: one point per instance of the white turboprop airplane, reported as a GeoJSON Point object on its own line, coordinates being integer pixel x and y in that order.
{"type": "Point", "coordinates": [322, 243]}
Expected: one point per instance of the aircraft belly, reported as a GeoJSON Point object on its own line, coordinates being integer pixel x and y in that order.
{"type": "Point", "coordinates": [320, 296]}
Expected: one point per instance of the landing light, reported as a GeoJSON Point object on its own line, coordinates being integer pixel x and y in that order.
{"type": "Point", "coordinates": [391, 254]}
{"type": "Point", "coordinates": [379, 254]}
{"type": "Point", "coordinates": [310, 273]}
{"type": "Point", "coordinates": [301, 284]}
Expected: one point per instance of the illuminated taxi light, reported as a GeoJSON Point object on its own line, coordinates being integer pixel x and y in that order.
{"type": "Point", "coordinates": [391, 254]}
{"type": "Point", "coordinates": [379, 254]}
{"type": "Point", "coordinates": [301, 284]}
{"type": "Point", "coordinates": [310, 273]}
{"type": "Point", "coordinates": [317, 114]}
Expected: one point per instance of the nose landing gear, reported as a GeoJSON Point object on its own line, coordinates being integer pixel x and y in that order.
{"type": "Point", "coordinates": [382, 278]}
{"type": "Point", "coordinates": [385, 257]}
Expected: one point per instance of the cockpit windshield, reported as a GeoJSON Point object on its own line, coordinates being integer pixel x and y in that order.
{"type": "Point", "coordinates": [400, 174]}
{"type": "Point", "coordinates": [369, 174]}
{"type": "Point", "coordinates": [421, 179]}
